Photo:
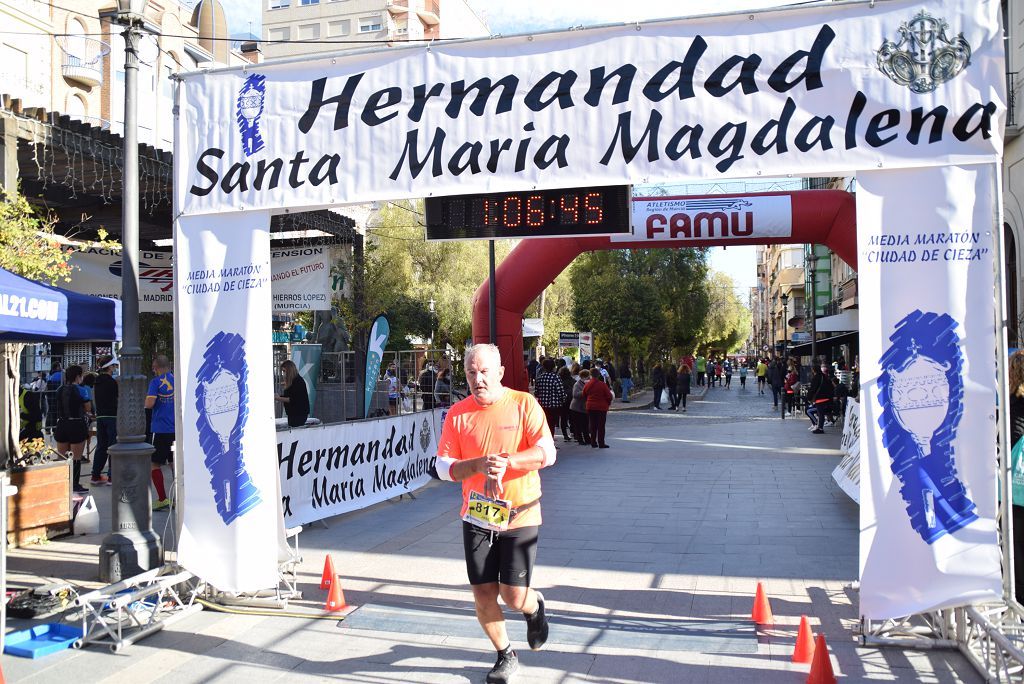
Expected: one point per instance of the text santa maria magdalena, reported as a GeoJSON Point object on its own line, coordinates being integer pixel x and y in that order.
{"type": "Point", "coordinates": [650, 134]}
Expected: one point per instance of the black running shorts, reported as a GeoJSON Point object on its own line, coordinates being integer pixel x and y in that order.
{"type": "Point", "coordinates": [73, 431]}
{"type": "Point", "coordinates": [508, 560]}
{"type": "Point", "coordinates": [162, 442]}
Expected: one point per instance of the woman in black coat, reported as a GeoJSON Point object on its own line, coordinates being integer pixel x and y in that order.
{"type": "Point", "coordinates": [684, 386]}
{"type": "Point", "coordinates": [564, 417]}
{"type": "Point", "coordinates": [294, 395]}
{"type": "Point", "coordinates": [658, 381]}
{"type": "Point", "coordinates": [672, 384]}
{"type": "Point", "coordinates": [819, 396]}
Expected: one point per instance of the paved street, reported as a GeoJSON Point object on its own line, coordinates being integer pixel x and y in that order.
{"type": "Point", "coordinates": [676, 522]}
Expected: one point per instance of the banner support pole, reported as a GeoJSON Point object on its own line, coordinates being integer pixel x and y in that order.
{"type": "Point", "coordinates": [492, 310]}
{"type": "Point", "coordinates": [1005, 477]}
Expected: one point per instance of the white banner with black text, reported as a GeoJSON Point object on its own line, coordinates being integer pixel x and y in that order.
{"type": "Point", "coordinates": [847, 473]}
{"type": "Point", "coordinates": [327, 470]}
{"type": "Point", "coordinates": [831, 88]}
{"type": "Point", "coordinates": [928, 438]}
{"type": "Point", "coordinates": [301, 277]}
{"type": "Point", "coordinates": [225, 400]}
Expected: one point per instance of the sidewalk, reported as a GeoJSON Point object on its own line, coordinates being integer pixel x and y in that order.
{"type": "Point", "coordinates": [644, 399]}
{"type": "Point", "coordinates": [677, 523]}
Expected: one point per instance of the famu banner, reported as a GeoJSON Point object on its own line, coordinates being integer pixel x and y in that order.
{"type": "Point", "coordinates": [333, 469]}
{"type": "Point", "coordinates": [301, 277]}
{"type": "Point", "coordinates": [928, 436]}
{"type": "Point", "coordinates": [686, 218]}
{"type": "Point", "coordinates": [824, 89]}
{"type": "Point", "coordinates": [232, 518]}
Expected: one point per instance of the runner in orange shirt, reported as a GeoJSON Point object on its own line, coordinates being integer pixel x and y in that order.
{"type": "Point", "coordinates": [494, 442]}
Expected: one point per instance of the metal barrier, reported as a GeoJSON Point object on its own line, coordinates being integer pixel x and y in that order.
{"type": "Point", "coordinates": [400, 387]}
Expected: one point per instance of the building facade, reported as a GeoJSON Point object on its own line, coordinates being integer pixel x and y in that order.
{"type": "Point", "coordinates": [1013, 167]}
{"type": "Point", "coordinates": [69, 58]}
{"type": "Point", "coordinates": [777, 318]}
{"type": "Point", "coordinates": [303, 27]}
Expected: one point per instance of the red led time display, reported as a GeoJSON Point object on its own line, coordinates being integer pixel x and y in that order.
{"type": "Point", "coordinates": [539, 213]}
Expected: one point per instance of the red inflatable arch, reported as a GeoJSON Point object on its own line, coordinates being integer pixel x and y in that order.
{"type": "Point", "coordinates": [824, 217]}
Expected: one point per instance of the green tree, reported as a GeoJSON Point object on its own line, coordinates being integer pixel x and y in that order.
{"type": "Point", "coordinates": [404, 272]}
{"type": "Point", "coordinates": [728, 319]}
{"type": "Point", "coordinates": [640, 302]}
{"type": "Point", "coordinates": [29, 248]}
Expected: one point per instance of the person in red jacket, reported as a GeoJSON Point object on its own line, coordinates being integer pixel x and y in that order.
{"type": "Point", "coordinates": [790, 385]}
{"type": "Point", "coordinates": [598, 397]}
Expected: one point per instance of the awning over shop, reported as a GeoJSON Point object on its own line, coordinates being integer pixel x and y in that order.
{"type": "Point", "coordinates": [844, 321]}
{"type": "Point", "coordinates": [825, 345]}
{"type": "Point", "coordinates": [33, 312]}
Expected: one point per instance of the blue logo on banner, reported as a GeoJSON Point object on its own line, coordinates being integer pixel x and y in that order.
{"type": "Point", "coordinates": [250, 109]}
{"type": "Point", "coordinates": [222, 400]}
{"type": "Point", "coordinates": [921, 393]}
{"type": "Point", "coordinates": [379, 332]}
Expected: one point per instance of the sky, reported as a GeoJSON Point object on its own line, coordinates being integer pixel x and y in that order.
{"type": "Point", "coordinates": [520, 16]}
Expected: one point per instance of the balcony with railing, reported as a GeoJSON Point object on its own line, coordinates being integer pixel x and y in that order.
{"type": "Point", "coordinates": [83, 59]}
{"type": "Point", "coordinates": [431, 13]}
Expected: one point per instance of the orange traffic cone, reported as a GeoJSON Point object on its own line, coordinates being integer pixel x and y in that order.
{"type": "Point", "coordinates": [762, 612]}
{"type": "Point", "coordinates": [804, 651]}
{"type": "Point", "coordinates": [327, 579]}
{"type": "Point", "coordinates": [821, 667]}
{"type": "Point", "coordinates": [335, 598]}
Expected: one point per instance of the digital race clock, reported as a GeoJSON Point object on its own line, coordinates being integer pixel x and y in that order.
{"type": "Point", "coordinates": [537, 213]}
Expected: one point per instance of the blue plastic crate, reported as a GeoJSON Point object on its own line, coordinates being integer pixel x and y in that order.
{"type": "Point", "coordinates": [41, 640]}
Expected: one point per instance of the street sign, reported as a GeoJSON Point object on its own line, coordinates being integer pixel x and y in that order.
{"type": "Point", "coordinates": [586, 346]}
{"type": "Point", "coordinates": [568, 339]}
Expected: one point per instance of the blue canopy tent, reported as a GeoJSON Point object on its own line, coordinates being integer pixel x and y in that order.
{"type": "Point", "coordinates": [33, 312]}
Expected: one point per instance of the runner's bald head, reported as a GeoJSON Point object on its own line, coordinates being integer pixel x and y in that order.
{"type": "Point", "coordinates": [491, 350]}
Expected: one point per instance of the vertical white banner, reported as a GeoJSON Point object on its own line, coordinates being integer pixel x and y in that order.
{"type": "Point", "coordinates": [928, 462]}
{"type": "Point", "coordinates": [232, 518]}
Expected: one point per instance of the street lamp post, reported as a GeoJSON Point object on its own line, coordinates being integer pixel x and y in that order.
{"type": "Point", "coordinates": [132, 546]}
{"type": "Point", "coordinates": [814, 306]}
{"type": "Point", "coordinates": [785, 344]}
{"type": "Point", "coordinates": [431, 304]}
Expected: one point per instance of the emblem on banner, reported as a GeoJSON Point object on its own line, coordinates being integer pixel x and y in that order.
{"type": "Point", "coordinates": [923, 56]}
{"type": "Point", "coordinates": [921, 394]}
{"type": "Point", "coordinates": [222, 401]}
{"type": "Point", "coordinates": [425, 435]}
{"type": "Point", "coordinates": [250, 109]}
{"type": "Point", "coordinates": [157, 275]}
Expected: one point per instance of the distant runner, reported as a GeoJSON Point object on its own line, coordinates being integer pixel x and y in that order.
{"type": "Point", "coordinates": [762, 375]}
{"type": "Point", "coordinates": [494, 442]}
